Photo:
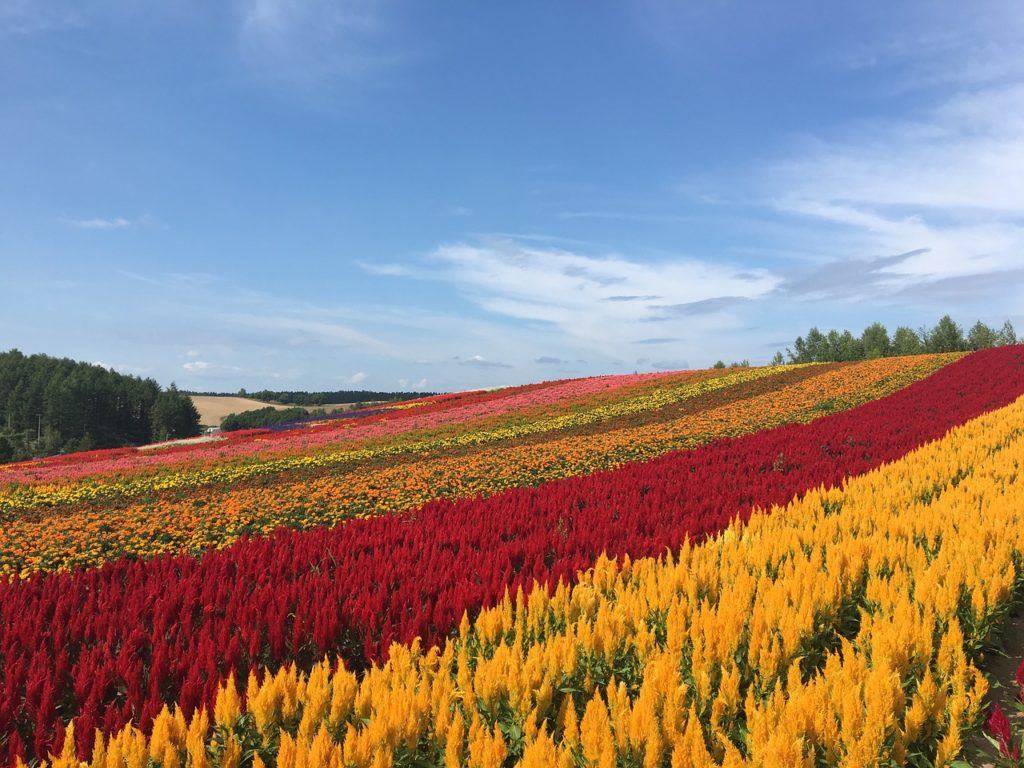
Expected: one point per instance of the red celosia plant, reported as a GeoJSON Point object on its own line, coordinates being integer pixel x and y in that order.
{"type": "Point", "coordinates": [1006, 731]}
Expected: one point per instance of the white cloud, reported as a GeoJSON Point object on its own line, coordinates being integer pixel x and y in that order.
{"type": "Point", "coordinates": [97, 223]}
{"type": "Point", "coordinates": [948, 187]}
{"type": "Point", "coordinates": [387, 270]}
{"type": "Point", "coordinates": [306, 331]}
{"type": "Point", "coordinates": [580, 295]}
{"type": "Point", "coordinates": [410, 384]}
{"type": "Point", "coordinates": [195, 366]}
{"type": "Point", "coordinates": [478, 361]}
{"type": "Point", "coordinates": [357, 377]}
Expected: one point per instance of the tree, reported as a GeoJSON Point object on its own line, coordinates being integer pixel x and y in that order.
{"type": "Point", "coordinates": [946, 336]}
{"type": "Point", "coordinates": [847, 347]}
{"type": "Point", "coordinates": [875, 341]}
{"type": "Point", "coordinates": [981, 336]}
{"type": "Point", "coordinates": [813, 349]}
{"type": "Point", "coordinates": [778, 359]}
{"type": "Point", "coordinates": [817, 346]}
{"type": "Point", "coordinates": [906, 341]}
{"type": "Point", "coordinates": [174, 415]}
{"type": "Point", "coordinates": [719, 364]}
{"type": "Point", "coordinates": [799, 352]}
{"type": "Point", "coordinates": [1007, 335]}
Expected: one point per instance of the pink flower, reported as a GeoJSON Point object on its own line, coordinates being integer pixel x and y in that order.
{"type": "Point", "coordinates": [1020, 681]}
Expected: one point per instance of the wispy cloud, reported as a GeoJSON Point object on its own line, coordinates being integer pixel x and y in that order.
{"type": "Point", "coordinates": [904, 204]}
{"type": "Point", "coordinates": [307, 331]}
{"type": "Point", "coordinates": [634, 216]}
{"type": "Point", "coordinates": [315, 42]}
{"type": "Point", "coordinates": [29, 17]}
{"type": "Point", "coordinates": [357, 377]}
{"type": "Point", "coordinates": [649, 297]}
{"type": "Point", "coordinates": [418, 384]}
{"type": "Point", "coordinates": [701, 307]}
{"type": "Point", "coordinates": [928, 45]}
{"type": "Point", "coordinates": [97, 223]}
{"type": "Point", "coordinates": [386, 269]}
{"type": "Point", "coordinates": [583, 296]}
{"type": "Point", "coordinates": [658, 340]}
{"type": "Point", "coordinates": [477, 361]}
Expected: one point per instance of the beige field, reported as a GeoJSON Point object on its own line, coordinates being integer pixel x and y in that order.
{"type": "Point", "coordinates": [213, 408]}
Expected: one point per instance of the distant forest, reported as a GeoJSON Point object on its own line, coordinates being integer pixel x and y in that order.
{"type": "Point", "coordinates": [51, 405]}
{"type": "Point", "coordinates": [875, 341]}
{"type": "Point", "coordinates": [266, 417]}
{"type": "Point", "coordinates": [338, 397]}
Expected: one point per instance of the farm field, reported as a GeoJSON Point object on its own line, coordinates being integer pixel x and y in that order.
{"type": "Point", "coordinates": [784, 565]}
{"type": "Point", "coordinates": [213, 408]}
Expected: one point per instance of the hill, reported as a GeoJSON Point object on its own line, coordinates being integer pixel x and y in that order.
{"type": "Point", "coordinates": [652, 567]}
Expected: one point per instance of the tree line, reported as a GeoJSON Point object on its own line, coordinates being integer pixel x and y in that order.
{"type": "Point", "coordinates": [945, 336]}
{"type": "Point", "coordinates": [51, 405]}
{"type": "Point", "coordinates": [266, 417]}
{"type": "Point", "coordinates": [338, 397]}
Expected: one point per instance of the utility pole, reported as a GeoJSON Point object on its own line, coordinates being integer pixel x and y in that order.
{"type": "Point", "coordinates": [39, 428]}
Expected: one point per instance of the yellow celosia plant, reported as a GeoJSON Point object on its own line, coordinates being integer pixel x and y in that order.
{"type": "Point", "coordinates": [844, 629]}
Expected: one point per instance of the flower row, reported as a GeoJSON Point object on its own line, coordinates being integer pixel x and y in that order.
{"type": "Point", "coordinates": [840, 630]}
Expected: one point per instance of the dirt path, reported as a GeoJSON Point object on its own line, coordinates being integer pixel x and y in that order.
{"type": "Point", "coordinates": [1001, 668]}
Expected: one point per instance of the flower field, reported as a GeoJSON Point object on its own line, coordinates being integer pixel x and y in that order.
{"type": "Point", "coordinates": [209, 504]}
{"type": "Point", "coordinates": [798, 565]}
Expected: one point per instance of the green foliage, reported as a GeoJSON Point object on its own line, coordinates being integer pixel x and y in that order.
{"type": "Point", "coordinates": [1007, 335]}
{"type": "Point", "coordinates": [174, 415]}
{"type": "Point", "coordinates": [981, 336]}
{"type": "Point", "coordinates": [875, 341]}
{"type": "Point", "coordinates": [945, 336]}
{"type": "Point", "coordinates": [265, 417]}
{"type": "Point", "coordinates": [906, 341]}
{"type": "Point", "coordinates": [52, 405]}
{"type": "Point", "coordinates": [719, 364]}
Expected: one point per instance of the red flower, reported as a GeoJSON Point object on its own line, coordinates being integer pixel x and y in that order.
{"type": "Point", "coordinates": [1020, 681]}
{"type": "Point", "coordinates": [999, 727]}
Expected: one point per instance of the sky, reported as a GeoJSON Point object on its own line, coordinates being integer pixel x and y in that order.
{"type": "Point", "coordinates": [303, 194]}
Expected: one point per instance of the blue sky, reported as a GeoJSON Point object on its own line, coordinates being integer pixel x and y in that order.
{"type": "Point", "coordinates": [306, 194]}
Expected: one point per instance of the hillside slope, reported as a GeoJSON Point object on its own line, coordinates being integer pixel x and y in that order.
{"type": "Point", "coordinates": [478, 524]}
